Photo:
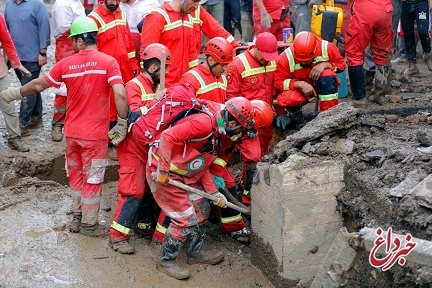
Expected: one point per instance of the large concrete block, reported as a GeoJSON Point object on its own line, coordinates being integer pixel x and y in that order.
{"type": "Point", "coordinates": [294, 217]}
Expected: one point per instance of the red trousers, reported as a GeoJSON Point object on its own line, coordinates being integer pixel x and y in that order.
{"type": "Point", "coordinates": [64, 48]}
{"type": "Point", "coordinates": [86, 161]}
{"type": "Point", "coordinates": [132, 157]}
{"type": "Point", "coordinates": [185, 209]}
{"type": "Point", "coordinates": [371, 22]}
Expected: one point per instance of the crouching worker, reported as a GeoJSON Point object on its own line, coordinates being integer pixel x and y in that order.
{"type": "Point", "coordinates": [307, 70]}
{"type": "Point", "coordinates": [183, 154]}
{"type": "Point", "coordinates": [89, 76]}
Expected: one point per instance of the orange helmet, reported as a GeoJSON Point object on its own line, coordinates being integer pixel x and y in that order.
{"type": "Point", "coordinates": [220, 49]}
{"type": "Point", "coordinates": [263, 114]}
{"type": "Point", "coordinates": [154, 51]}
{"type": "Point", "coordinates": [241, 109]}
{"type": "Point", "coordinates": [304, 46]}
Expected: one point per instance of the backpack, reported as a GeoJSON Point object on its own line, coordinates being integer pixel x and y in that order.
{"type": "Point", "coordinates": [178, 102]}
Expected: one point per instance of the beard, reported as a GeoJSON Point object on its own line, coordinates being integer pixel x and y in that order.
{"type": "Point", "coordinates": [112, 7]}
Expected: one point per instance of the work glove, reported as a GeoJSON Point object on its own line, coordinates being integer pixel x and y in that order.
{"type": "Point", "coordinates": [252, 134]}
{"type": "Point", "coordinates": [283, 121]}
{"type": "Point", "coordinates": [219, 182]}
{"type": "Point", "coordinates": [24, 71]}
{"type": "Point", "coordinates": [266, 20]}
{"type": "Point", "coordinates": [118, 132]}
{"type": "Point", "coordinates": [221, 200]}
{"type": "Point", "coordinates": [10, 94]}
{"type": "Point", "coordinates": [162, 177]}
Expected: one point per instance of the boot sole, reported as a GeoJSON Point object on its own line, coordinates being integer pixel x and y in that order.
{"type": "Point", "coordinates": [122, 250]}
{"type": "Point", "coordinates": [176, 276]}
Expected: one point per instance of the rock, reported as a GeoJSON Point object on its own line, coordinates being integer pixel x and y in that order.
{"type": "Point", "coordinates": [374, 155]}
{"type": "Point", "coordinates": [424, 137]}
{"type": "Point", "coordinates": [395, 84]}
{"type": "Point", "coordinates": [306, 148]}
{"type": "Point", "coordinates": [411, 180]}
{"type": "Point", "coordinates": [392, 117]}
{"type": "Point", "coordinates": [414, 119]}
{"type": "Point", "coordinates": [396, 99]}
{"type": "Point", "coordinates": [344, 146]}
{"type": "Point", "coordinates": [423, 192]}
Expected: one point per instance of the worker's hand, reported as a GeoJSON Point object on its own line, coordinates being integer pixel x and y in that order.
{"type": "Point", "coordinates": [221, 200]}
{"type": "Point", "coordinates": [266, 20]}
{"type": "Point", "coordinates": [219, 182]}
{"type": "Point", "coordinates": [24, 71]}
{"type": "Point", "coordinates": [318, 69]}
{"type": "Point", "coordinates": [283, 121]}
{"type": "Point", "coordinates": [162, 178]}
{"type": "Point", "coordinates": [159, 94]}
{"type": "Point", "coordinates": [42, 60]}
{"type": "Point", "coordinates": [308, 90]}
{"type": "Point", "coordinates": [10, 94]}
{"type": "Point", "coordinates": [118, 132]}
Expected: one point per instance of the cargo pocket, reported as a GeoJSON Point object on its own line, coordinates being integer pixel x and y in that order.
{"type": "Point", "coordinates": [127, 184]}
{"type": "Point", "coordinates": [97, 171]}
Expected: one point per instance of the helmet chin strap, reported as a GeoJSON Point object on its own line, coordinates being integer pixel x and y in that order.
{"type": "Point", "coordinates": [211, 66]}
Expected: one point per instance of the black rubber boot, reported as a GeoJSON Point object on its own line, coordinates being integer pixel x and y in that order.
{"type": "Point", "coordinates": [358, 86]}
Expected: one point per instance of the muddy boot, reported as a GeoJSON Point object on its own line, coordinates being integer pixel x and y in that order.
{"type": "Point", "coordinates": [358, 86]}
{"type": "Point", "coordinates": [412, 70]}
{"type": "Point", "coordinates": [427, 57]}
{"type": "Point", "coordinates": [75, 224]}
{"type": "Point", "coordinates": [17, 144]}
{"type": "Point", "coordinates": [369, 77]}
{"type": "Point", "coordinates": [382, 84]}
{"type": "Point", "coordinates": [96, 230]}
{"type": "Point", "coordinates": [194, 252]}
{"type": "Point", "coordinates": [56, 133]}
{"type": "Point", "coordinates": [168, 263]}
{"type": "Point", "coordinates": [121, 246]}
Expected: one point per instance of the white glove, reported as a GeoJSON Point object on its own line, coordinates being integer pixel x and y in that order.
{"type": "Point", "coordinates": [266, 20]}
{"type": "Point", "coordinates": [10, 94]}
{"type": "Point", "coordinates": [222, 201]}
{"type": "Point", "coordinates": [62, 90]}
{"type": "Point", "coordinates": [118, 132]}
{"type": "Point", "coordinates": [24, 71]}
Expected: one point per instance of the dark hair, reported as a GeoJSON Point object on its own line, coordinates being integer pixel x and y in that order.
{"type": "Point", "coordinates": [147, 63]}
{"type": "Point", "coordinates": [89, 38]}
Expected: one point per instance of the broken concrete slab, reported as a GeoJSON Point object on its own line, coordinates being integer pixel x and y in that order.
{"type": "Point", "coordinates": [340, 117]}
{"type": "Point", "coordinates": [412, 179]}
{"type": "Point", "coordinates": [423, 192]}
{"type": "Point", "coordinates": [424, 137]}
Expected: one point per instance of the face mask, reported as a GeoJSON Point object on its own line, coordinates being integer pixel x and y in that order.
{"type": "Point", "coordinates": [236, 137]}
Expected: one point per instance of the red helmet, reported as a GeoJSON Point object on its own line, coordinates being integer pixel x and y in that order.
{"type": "Point", "coordinates": [221, 50]}
{"type": "Point", "coordinates": [263, 114]}
{"type": "Point", "coordinates": [241, 109]}
{"type": "Point", "coordinates": [154, 51]}
{"type": "Point", "coordinates": [304, 46]}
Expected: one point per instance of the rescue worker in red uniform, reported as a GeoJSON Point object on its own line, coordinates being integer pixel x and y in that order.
{"type": "Point", "coordinates": [134, 193]}
{"type": "Point", "coordinates": [232, 221]}
{"type": "Point", "coordinates": [205, 23]}
{"type": "Point", "coordinates": [207, 78]}
{"type": "Point", "coordinates": [186, 161]}
{"type": "Point", "coordinates": [271, 16]}
{"type": "Point", "coordinates": [115, 39]}
{"type": "Point", "coordinates": [178, 25]}
{"type": "Point", "coordinates": [86, 132]}
{"type": "Point", "coordinates": [64, 12]}
{"type": "Point", "coordinates": [250, 74]}
{"type": "Point", "coordinates": [371, 23]}
{"type": "Point", "coordinates": [305, 70]}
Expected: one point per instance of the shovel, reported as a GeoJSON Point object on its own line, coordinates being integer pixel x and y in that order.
{"type": "Point", "coordinates": [205, 195]}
